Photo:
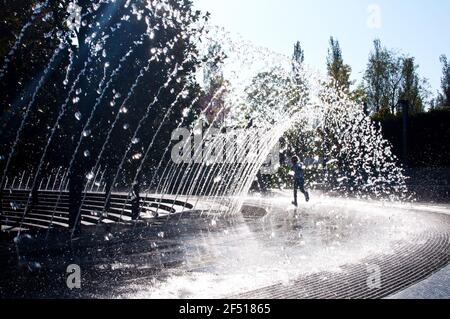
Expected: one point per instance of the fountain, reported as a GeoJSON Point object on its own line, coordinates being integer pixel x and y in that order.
{"type": "Point", "coordinates": [123, 82]}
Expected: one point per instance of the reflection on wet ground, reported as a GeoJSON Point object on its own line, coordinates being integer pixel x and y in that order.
{"type": "Point", "coordinates": [270, 244]}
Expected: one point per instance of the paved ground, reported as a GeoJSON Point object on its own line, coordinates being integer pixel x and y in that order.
{"type": "Point", "coordinates": [328, 248]}
{"type": "Point", "coordinates": [435, 287]}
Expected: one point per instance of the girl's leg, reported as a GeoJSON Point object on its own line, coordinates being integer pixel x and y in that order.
{"type": "Point", "coordinates": [296, 186]}
{"type": "Point", "coordinates": [302, 189]}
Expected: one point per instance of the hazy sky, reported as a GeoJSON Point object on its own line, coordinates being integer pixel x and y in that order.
{"type": "Point", "coordinates": [420, 28]}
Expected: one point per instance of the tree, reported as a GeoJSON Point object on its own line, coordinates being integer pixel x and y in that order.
{"type": "Point", "coordinates": [412, 88]}
{"type": "Point", "coordinates": [101, 82]}
{"type": "Point", "coordinates": [444, 96]}
{"type": "Point", "coordinates": [337, 69]}
{"type": "Point", "coordinates": [212, 102]}
{"type": "Point", "coordinates": [299, 54]}
{"type": "Point", "coordinates": [394, 81]}
{"type": "Point", "coordinates": [298, 58]}
{"type": "Point", "coordinates": [21, 62]}
{"type": "Point", "coordinates": [359, 95]}
{"type": "Point", "coordinates": [390, 77]}
{"type": "Point", "coordinates": [376, 77]}
{"type": "Point", "coordinates": [271, 93]}
{"type": "Point", "coordinates": [124, 38]}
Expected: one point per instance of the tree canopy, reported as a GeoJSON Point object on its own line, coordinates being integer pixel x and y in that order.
{"type": "Point", "coordinates": [104, 89]}
{"type": "Point", "coordinates": [337, 69]}
{"type": "Point", "coordinates": [444, 95]}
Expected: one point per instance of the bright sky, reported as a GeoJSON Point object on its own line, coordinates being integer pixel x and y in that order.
{"type": "Point", "coordinates": [419, 28]}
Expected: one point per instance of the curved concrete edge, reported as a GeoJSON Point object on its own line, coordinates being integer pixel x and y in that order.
{"type": "Point", "coordinates": [437, 285]}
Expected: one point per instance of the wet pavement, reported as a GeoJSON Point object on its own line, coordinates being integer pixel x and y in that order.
{"type": "Point", "coordinates": [324, 249]}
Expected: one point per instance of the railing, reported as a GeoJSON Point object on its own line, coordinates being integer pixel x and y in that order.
{"type": "Point", "coordinates": [56, 181]}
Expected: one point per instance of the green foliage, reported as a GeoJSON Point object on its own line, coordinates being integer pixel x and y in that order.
{"type": "Point", "coordinates": [382, 78]}
{"type": "Point", "coordinates": [270, 91]}
{"type": "Point", "coordinates": [337, 69]}
{"type": "Point", "coordinates": [299, 55]}
{"type": "Point", "coordinates": [383, 114]}
{"type": "Point", "coordinates": [444, 96]}
{"type": "Point", "coordinates": [115, 38]}
{"type": "Point", "coordinates": [38, 44]}
{"type": "Point", "coordinates": [390, 77]}
{"type": "Point", "coordinates": [212, 101]}
{"type": "Point", "coordinates": [412, 87]}
{"type": "Point", "coordinates": [359, 95]}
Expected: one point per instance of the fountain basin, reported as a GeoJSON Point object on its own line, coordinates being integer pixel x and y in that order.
{"type": "Point", "coordinates": [327, 248]}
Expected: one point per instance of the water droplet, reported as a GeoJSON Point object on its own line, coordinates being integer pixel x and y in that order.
{"type": "Point", "coordinates": [90, 176]}
{"type": "Point", "coordinates": [161, 234]}
{"type": "Point", "coordinates": [108, 237]}
{"type": "Point", "coordinates": [126, 126]}
{"type": "Point", "coordinates": [78, 91]}
{"type": "Point", "coordinates": [78, 116]}
{"type": "Point", "coordinates": [75, 100]}
{"type": "Point", "coordinates": [14, 205]}
{"type": "Point", "coordinates": [34, 266]}
{"type": "Point", "coordinates": [22, 238]}
{"type": "Point", "coordinates": [186, 112]}
{"type": "Point", "coordinates": [2, 158]}
{"type": "Point", "coordinates": [135, 140]}
{"type": "Point", "coordinates": [124, 110]}
{"type": "Point", "coordinates": [137, 156]}
{"type": "Point", "coordinates": [86, 133]}
{"type": "Point", "coordinates": [87, 153]}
